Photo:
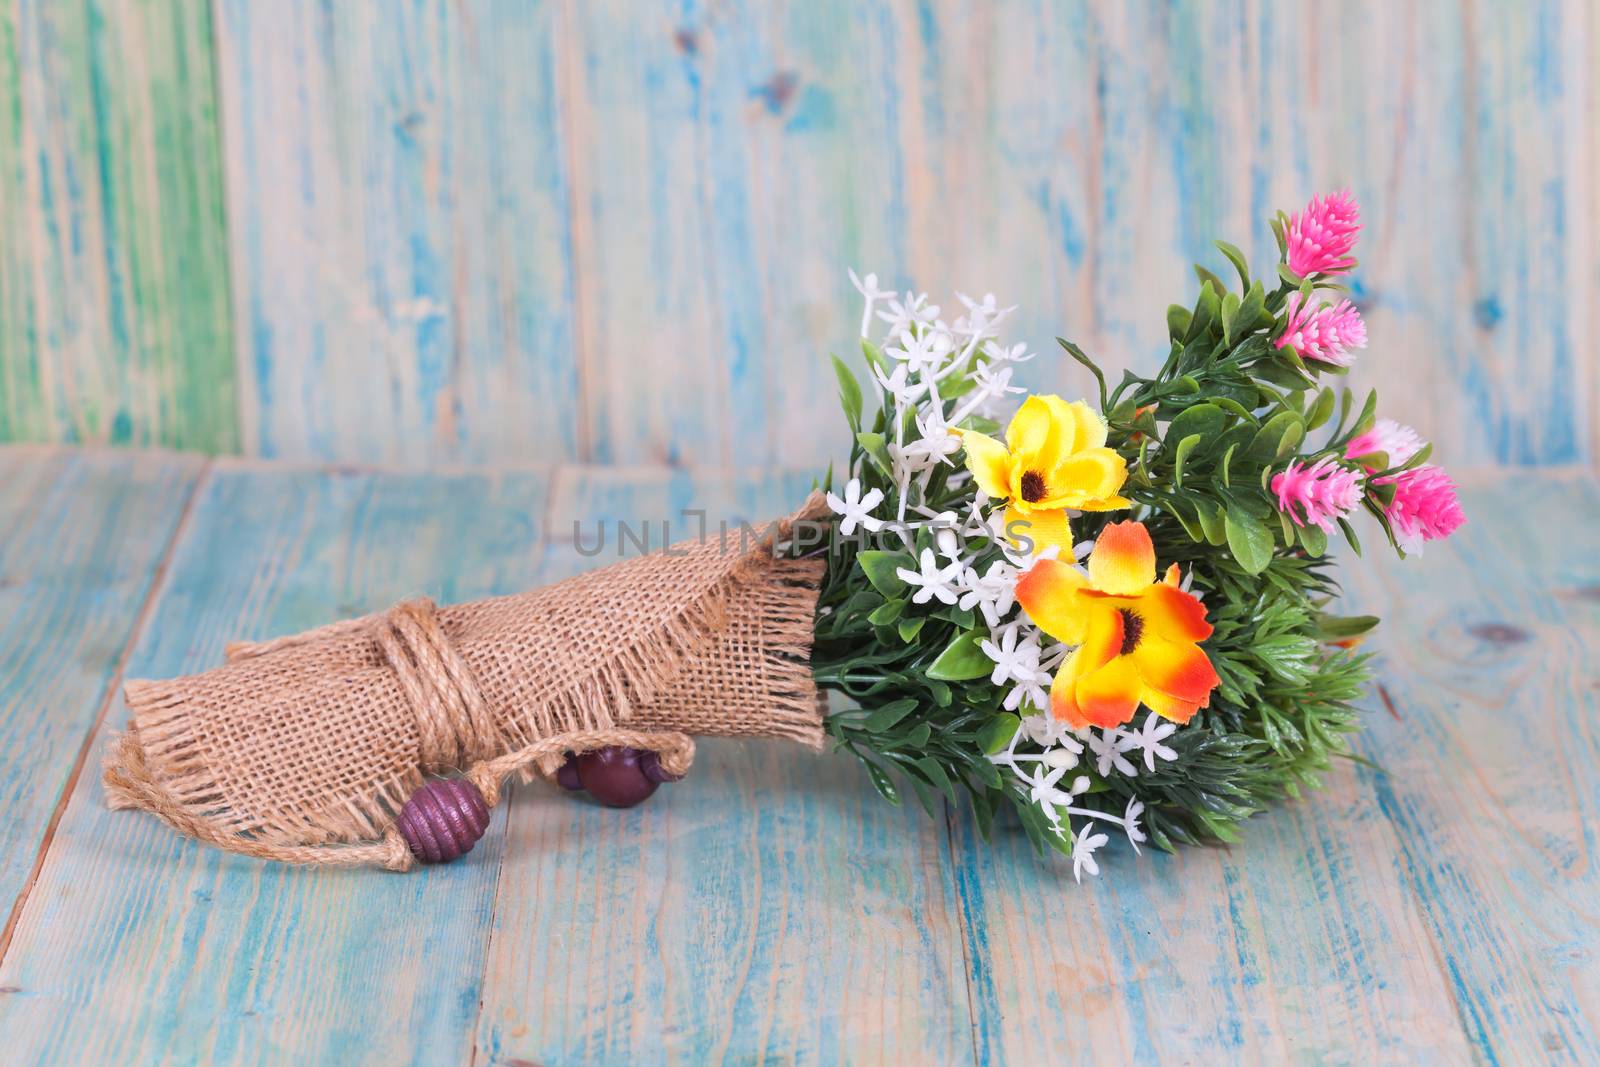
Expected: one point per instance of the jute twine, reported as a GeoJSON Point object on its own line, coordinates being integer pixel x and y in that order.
{"type": "Point", "coordinates": [303, 748]}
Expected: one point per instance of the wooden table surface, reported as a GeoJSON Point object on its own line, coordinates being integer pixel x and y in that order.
{"type": "Point", "coordinates": [1443, 908]}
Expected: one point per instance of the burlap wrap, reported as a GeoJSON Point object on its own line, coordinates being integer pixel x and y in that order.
{"type": "Point", "coordinates": [302, 742]}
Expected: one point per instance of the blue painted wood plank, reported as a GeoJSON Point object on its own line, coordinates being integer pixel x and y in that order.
{"type": "Point", "coordinates": [399, 232]}
{"type": "Point", "coordinates": [769, 908]}
{"type": "Point", "coordinates": [1493, 762]}
{"type": "Point", "coordinates": [82, 535]}
{"type": "Point", "coordinates": [137, 945]}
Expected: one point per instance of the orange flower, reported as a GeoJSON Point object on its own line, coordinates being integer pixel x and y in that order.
{"type": "Point", "coordinates": [1138, 639]}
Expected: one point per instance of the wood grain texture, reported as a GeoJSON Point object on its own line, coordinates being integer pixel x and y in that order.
{"type": "Point", "coordinates": [82, 536]}
{"type": "Point", "coordinates": [617, 232]}
{"type": "Point", "coordinates": [138, 946]}
{"type": "Point", "coordinates": [1493, 760]}
{"type": "Point", "coordinates": [114, 322]}
{"type": "Point", "coordinates": [770, 908]}
{"type": "Point", "coordinates": [399, 200]}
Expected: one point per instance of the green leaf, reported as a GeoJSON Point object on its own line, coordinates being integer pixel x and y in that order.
{"type": "Point", "coordinates": [1206, 275]}
{"type": "Point", "coordinates": [962, 660]}
{"type": "Point", "coordinates": [887, 612]}
{"type": "Point", "coordinates": [909, 628]}
{"type": "Point", "coordinates": [1203, 420]}
{"type": "Point", "coordinates": [998, 732]}
{"type": "Point", "coordinates": [882, 783]}
{"type": "Point", "coordinates": [1249, 540]}
{"type": "Point", "coordinates": [1178, 319]}
{"type": "Point", "coordinates": [1211, 520]}
{"type": "Point", "coordinates": [877, 446]}
{"type": "Point", "coordinates": [1252, 309]}
{"type": "Point", "coordinates": [1350, 536]}
{"type": "Point", "coordinates": [875, 357]}
{"type": "Point", "coordinates": [885, 717]}
{"type": "Point", "coordinates": [1322, 410]}
{"type": "Point", "coordinates": [1206, 310]}
{"type": "Point", "coordinates": [880, 567]}
{"type": "Point", "coordinates": [1230, 311]}
{"type": "Point", "coordinates": [1078, 354]}
{"type": "Point", "coordinates": [934, 772]}
{"type": "Point", "coordinates": [1369, 414]}
{"type": "Point", "coordinates": [1341, 627]}
{"type": "Point", "coordinates": [1185, 446]}
{"type": "Point", "coordinates": [1236, 257]}
{"type": "Point", "coordinates": [1266, 444]}
{"type": "Point", "coordinates": [849, 393]}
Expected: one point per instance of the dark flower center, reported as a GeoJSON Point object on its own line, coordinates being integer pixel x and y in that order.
{"type": "Point", "coordinates": [1032, 486]}
{"type": "Point", "coordinates": [1132, 630]}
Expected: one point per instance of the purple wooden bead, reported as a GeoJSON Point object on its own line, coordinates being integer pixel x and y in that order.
{"type": "Point", "coordinates": [567, 776]}
{"type": "Point", "coordinates": [650, 764]}
{"type": "Point", "coordinates": [443, 819]}
{"type": "Point", "coordinates": [614, 777]}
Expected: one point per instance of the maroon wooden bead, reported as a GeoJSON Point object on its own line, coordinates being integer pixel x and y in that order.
{"type": "Point", "coordinates": [614, 777]}
{"type": "Point", "coordinates": [443, 819]}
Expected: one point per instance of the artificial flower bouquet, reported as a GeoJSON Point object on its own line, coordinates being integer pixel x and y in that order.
{"type": "Point", "coordinates": [1111, 614]}
{"type": "Point", "coordinates": [1120, 614]}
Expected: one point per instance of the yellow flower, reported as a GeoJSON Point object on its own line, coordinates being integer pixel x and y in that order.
{"type": "Point", "coordinates": [1138, 639]}
{"type": "Point", "coordinates": [1055, 457]}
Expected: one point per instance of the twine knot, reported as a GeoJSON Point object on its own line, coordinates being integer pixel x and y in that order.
{"type": "Point", "coordinates": [454, 726]}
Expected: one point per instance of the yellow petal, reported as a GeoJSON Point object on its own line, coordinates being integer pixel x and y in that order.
{"type": "Point", "coordinates": [1090, 429]}
{"type": "Point", "coordinates": [1034, 435]}
{"type": "Point", "coordinates": [1088, 476]}
{"type": "Point", "coordinates": [1110, 503]}
{"type": "Point", "coordinates": [1042, 528]}
{"type": "Point", "coordinates": [989, 463]}
{"type": "Point", "coordinates": [1048, 592]}
{"type": "Point", "coordinates": [1173, 614]}
{"type": "Point", "coordinates": [1063, 704]}
{"type": "Point", "coordinates": [1123, 561]}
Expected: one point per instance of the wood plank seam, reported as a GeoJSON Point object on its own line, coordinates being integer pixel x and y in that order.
{"type": "Point", "coordinates": [966, 946]}
{"type": "Point", "coordinates": [509, 794]}
{"type": "Point", "coordinates": [152, 593]}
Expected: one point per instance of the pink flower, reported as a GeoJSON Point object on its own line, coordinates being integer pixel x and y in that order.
{"type": "Point", "coordinates": [1398, 442]}
{"type": "Point", "coordinates": [1425, 507]}
{"type": "Point", "coordinates": [1323, 333]}
{"type": "Point", "coordinates": [1321, 236]}
{"type": "Point", "coordinates": [1321, 492]}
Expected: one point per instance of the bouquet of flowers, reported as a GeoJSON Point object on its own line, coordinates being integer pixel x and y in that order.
{"type": "Point", "coordinates": [1121, 613]}
{"type": "Point", "coordinates": [1111, 614]}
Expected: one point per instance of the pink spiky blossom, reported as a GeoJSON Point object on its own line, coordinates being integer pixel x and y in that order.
{"type": "Point", "coordinates": [1320, 237]}
{"type": "Point", "coordinates": [1425, 507]}
{"type": "Point", "coordinates": [1397, 441]}
{"type": "Point", "coordinates": [1323, 333]}
{"type": "Point", "coordinates": [1318, 494]}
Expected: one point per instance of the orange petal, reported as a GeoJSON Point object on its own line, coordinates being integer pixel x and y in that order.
{"type": "Point", "coordinates": [989, 463]}
{"type": "Point", "coordinates": [1048, 592]}
{"type": "Point", "coordinates": [1043, 527]}
{"type": "Point", "coordinates": [1169, 707]}
{"type": "Point", "coordinates": [1062, 704]}
{"type": "Point", "coordinates": [1179, 670]}
{"type": "Point", "coordinates": [1174, 614]}
{"type": "Point", "coordinates": [1174, 576]}
{"type": "Point", "coordinates": [1110, 695]}
{"type": "Point", "coordinates": [1123, 561]}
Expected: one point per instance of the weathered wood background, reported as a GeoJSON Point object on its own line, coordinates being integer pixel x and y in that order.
{"type": "Point", "coordinates": [616, 232]}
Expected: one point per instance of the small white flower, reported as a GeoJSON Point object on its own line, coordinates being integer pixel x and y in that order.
{"type": "Point", "coordinates": [1034, 692]}
{"type": "Point", "coordinates": [921, 352]}
{"type": "Point", "coordinates": [1108, 754]}
{"type": "Point", "coordinates": [1013, 660]}
{"type": "Point", "coordinates": [1048, 731]}
{"type": "Point", "coordinates": [994, 594]}
{"type": "Point", "coordinates": [930, 581]}
{"type": "Point", "coordinates": [1130, 822]}
{"type": "Point", "coordinates": [903, 313]}
{"type": "Point", "coordinates": [1148, 740]}
{"type": "Point", "coordinates": [1014, 354]}
{"type": "Point", "coordinates": [868, 288]}
{"type": "Point", "coordinates": [1083, 848]}
{"type": "Point", "coordinates": [934, 441]}
{"type": "Point", "coordinates": [855, 508]}
{"type": "Point", "coordinates": [900, 385]}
